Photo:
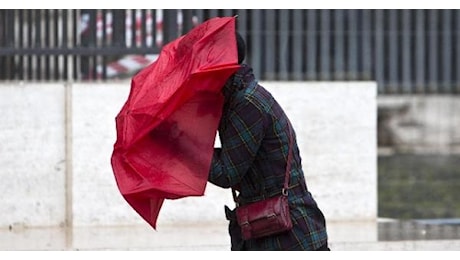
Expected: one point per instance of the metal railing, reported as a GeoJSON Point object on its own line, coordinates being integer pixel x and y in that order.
{"type": "Point", "coordinates": [405, 51]}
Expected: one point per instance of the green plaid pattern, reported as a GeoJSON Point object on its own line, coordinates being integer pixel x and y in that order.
{"type": "Point", "coordinates": [255, 141]}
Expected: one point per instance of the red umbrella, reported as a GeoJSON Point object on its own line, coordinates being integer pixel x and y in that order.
{"type": "Point", "coordinates": [167, 126]}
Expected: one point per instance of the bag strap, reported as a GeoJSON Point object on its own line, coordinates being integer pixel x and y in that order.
{"type": "Point", "coordinates": [288, 168]}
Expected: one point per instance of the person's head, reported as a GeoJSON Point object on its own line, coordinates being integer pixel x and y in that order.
{"type": "Point", "coordinates": [241, 47]}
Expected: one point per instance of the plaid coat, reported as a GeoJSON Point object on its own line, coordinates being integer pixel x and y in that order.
{"type": "Point", "coordinates": [252, 159]}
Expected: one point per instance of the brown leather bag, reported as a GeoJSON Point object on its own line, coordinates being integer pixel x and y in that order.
{"type": "Point", "coordinates": [266, 217]}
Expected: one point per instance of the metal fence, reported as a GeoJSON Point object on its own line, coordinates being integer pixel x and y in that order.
{"type": "Point", "coordinates": [405, 51]}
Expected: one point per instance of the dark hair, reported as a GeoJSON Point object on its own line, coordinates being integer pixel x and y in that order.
{"type": "Point", "coordinates": [241, 46]}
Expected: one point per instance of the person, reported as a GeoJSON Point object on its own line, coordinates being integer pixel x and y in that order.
{"type": "Point", "coordinates": [252, 157]}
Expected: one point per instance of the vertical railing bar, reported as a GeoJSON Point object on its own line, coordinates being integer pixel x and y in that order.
{"type": "Point", "coordinates": [446, 51]}
{"type": "Point", "coordinates": [38, 43]}
{"type": "Point", "coordinates": [30, 43]}
{"type": "Point", "coordinates": [352, 45]}
{"type": "Point", "coordinates": [456, 39]}
{"type": "Point", "coordinates": [94, 42]}
{"type": "Point", "coordinates": [324, 44]}
{"type": "Point", "coordinates": [311, 45]}
{"type": "Point", "coordinates": [213, 13]}
{"type": "Point", "coordinates": [76, 16]}
{"type": "Point", "coordinates": [366, 52]}
{"type": "Point", "coordinates": [339, 44]}
{"type": "Point", "coordinates": [188, 20]}
{"type": "Point", "coordinates": [105, 31]}
{"type": "Point", "coordinates": [10, 40]}
{"type": "Point", "coordinates": [143, 28]}
{"type": "Point", "coordinates": [419, 59]}
{"type": "Point", "coordinates": [379, 51]}
{"type": "Point", "coordinates": [54, 19]}
{"type": "Point", "coordinates": [228, 12]}
{"type": "Point", "coordinates": [406, 51]}
{"type": "Point", "coordinates": [297, 44]}
{"type": "Point", "coordinates": [21, 44]}
{"type": "Point", "coordinates": [241, 27]}
{"type": "Point", "coordinates": [269, 44]}
{"type": "Point", "coordinates": [393, 51]}
{"type": "Point", "coordinates": [152, 27]}
{"type": "Point", "coordinates": [47, 39]}
{"type": "Point", "coordinates": [131, 30]}
{"type": "Point", "coordinates": [57, 23]}
{"type": "Point", "coordinates": [169, 25]}
{"type": "Point", "coordinates": [64, 44]}
{"type": "Point", "coordinates": [432, 51]}
{"type": "Point", "coordinates": [283, 44]}
{"type": "Point", "coordinates": [255, 41]}
{"type": "Point", "coordinates": [2, 43]}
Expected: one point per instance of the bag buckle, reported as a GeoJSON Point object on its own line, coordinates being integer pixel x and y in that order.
{"type": "Point", "coordinates": [284, 192]}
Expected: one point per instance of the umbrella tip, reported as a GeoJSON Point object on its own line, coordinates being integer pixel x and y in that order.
{"type": "Point", "coordinates": [236, 16]}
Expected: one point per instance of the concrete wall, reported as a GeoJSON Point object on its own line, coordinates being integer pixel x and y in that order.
{"type": "Point", "coordinates": [56, 141]}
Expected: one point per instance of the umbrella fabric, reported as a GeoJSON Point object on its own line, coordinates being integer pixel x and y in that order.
{"type": "Point", "coordinates": [167, 127]}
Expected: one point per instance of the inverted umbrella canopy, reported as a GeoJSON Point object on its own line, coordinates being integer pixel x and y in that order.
{"type": "Point", "coordinates": [167, 126]}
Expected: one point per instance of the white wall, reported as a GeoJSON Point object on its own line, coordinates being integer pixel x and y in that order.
{"type": "Point", "coordinates": [44, 124]}
{"type": "Point", "coordinates": [336, 128]}
{"type": "Point", "coordinates": [32, 155]}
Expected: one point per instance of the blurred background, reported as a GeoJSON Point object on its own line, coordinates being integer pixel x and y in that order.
{"type": "Point", "coordinates": [413, 55]}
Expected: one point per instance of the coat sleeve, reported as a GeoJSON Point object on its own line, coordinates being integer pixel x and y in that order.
{"type": "Point", "coordinates": [240, 139]}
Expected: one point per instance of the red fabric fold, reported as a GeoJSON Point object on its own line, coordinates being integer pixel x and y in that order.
{"type": "Point", "coordinates": [167, 126]}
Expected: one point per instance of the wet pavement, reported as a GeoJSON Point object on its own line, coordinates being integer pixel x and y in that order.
{"type": "Point", "coordinates": [385, 234]}
{"type": "Point", "coordinates": [419, 229]}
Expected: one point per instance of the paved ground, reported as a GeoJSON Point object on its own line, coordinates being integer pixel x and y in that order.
{"type": "Point", "coordinates": [347, 236]}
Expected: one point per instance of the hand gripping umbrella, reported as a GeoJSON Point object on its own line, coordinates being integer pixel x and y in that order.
{"type": "Point", "coordinates": [167, 126]}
